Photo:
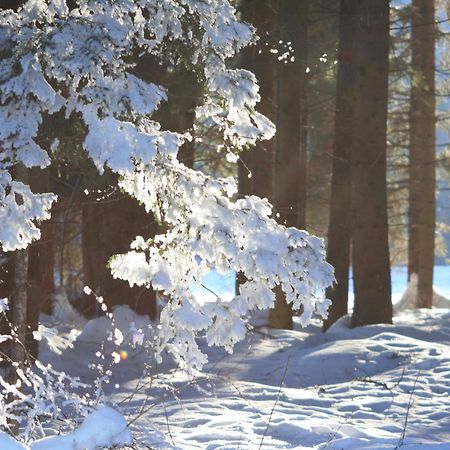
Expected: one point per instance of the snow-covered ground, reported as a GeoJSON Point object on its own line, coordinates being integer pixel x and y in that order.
{"type": "Point", "coordinates": [375, 387]}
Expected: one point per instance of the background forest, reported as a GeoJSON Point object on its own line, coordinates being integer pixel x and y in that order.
{"type": "Point", "coordinates": [360, 158]}
{"type": "Point", "coordinates": [359, 92]}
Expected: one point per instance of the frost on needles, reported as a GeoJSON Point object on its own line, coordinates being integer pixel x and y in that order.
{"type": "Point", "coordinates": [80, 63]}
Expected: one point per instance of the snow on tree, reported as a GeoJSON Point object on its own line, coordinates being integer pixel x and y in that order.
{"type": "Point", "coordinates": [79, 62]}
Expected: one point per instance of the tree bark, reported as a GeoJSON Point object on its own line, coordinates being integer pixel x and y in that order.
{"type": "Point", "coordinates": [41, 260]}
{"type": "Point", "coordinates": [292, 111]}
{"type": "Point", "coordinates": [11, 4]}
{"type": "Point", "coordinates": [278, 167]}
{"type": "Point", "coordinates": [257, 58]}
{"type": "Point", "coordinates": [422, 123]}
{"type": "Point", "coordinates": [256, 166]}
{"type": "Point", "coordinates": [339, 228]}
{"type": "Point", "coordinates": [370, 247]}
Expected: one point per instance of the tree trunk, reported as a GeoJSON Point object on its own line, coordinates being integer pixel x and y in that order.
{"type": "Point", "coordinates": [10, 4]}
{"type": "Point", "coordinates": [422, 178]}
{"type": "Point", "coordinates": [7, 278]}
{"type": "Point", "coordinates": [290, 162]}
{"type": "Point", "coordinates": [19, 308]}
{"type": "Point", "coordinates": [41, 259]}
{"type": "Point", "coordinates": [339, 229]}
{"type": "Point", "coordinates": [257, 58]}
{"type": "Point", "coordinates": [370, 247]}
{"type": "Point", "coordinates": [256, 166]}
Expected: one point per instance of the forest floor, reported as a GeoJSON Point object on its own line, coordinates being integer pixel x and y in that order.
{"type": "Point", "coordinates": [373, 387]}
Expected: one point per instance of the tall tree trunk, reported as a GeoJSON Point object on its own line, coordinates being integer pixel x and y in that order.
{"type": "Point", "coordinates": [7, 278]}
{"type": "Point", "coordinates": [339, 229]}
{"type": "Point", "coordinates": [18, 306]}
{"type": "Point", "coordinates": [370, 247]}
{"type": "Point", "coordinates": [257, 58]}
{"type": "Point", "coordinates": [41, 284]}
{"type": "Point", "coordinates": [422, 123]}
{"type": "Point", "coordinates": [19, 294]}
{"type": "Point", "coordinates": [290, 159]}
{"type": "Point", "coordinates": [256, 166]}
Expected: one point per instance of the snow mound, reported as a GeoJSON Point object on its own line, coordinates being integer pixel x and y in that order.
{"type": "Point", "coordinates": [63, 311]}
{"type": "Point", "coordinates": [409, 298]}
{"type": "Point", "coordinates": [133, 328]}
{"type": "Point", "coordinates": [104, 427]}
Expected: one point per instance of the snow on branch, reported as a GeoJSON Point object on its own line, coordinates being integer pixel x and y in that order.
{"type": "Point", "coordinates": [19, 207]}
{"type": "Point", "coordinates": [207, 230]}
{"type": "Point", "coordinates": [81, 62]}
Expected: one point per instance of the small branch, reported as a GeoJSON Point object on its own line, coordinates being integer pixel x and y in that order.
{"type": "Point", "coordinates": [400, 442]}
{"type": "Point", "coordinates": [276, 402]}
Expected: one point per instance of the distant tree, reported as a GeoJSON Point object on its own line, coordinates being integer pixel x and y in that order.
{"type": "Point", "coordinates": [370, 247]}
{"type": "Point", "coordinates": [339, 229]}
{"type": "Point", "coordinates": [323, 37]}
{"type": "Point", "coordinates": [422, 159]}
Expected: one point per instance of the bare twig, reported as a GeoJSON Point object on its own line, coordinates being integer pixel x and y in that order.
{"type": "Point", "coordinates": [400, 442]}
{"type": "Point", "coordinates": [276, 402]}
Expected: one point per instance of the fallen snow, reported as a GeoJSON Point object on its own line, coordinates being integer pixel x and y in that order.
{"type": "Point", "coordinates": [302, 389]}
{"type": "Point", "coordinates": [103, 428]}
{"type": "Point", "coordinates": [409, 298]}
{"type": "Point", "coordinates": [375, 387]}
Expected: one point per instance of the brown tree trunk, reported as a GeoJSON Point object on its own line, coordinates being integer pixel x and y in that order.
{"type": "Point", "coordinates": [339, 229]}
{"type": "Point", "coordinates": [10, 4]}
{"type": "Point", "coordinates": [19, 307]}
{"type": "Point", "coordinates": [256, 167]}
{"type": "Point", "coordinates": [18, 310]}
{"type": "Point", "coordinates": [422, 178]}
{"type": "Point", "coordinates": [7, 278]}
{"type": "Point", "coordinates": [41, 284]}
{"type": "Point", "coordinates": [184, 91]}
{"type": "Point", "coordinates": [370, 247]}
{"type": "Point", "coordinates": [257, 58]}
{"type": "Point", "coordinates": [290, 160]}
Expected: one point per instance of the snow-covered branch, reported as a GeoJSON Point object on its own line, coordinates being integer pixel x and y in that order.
{"type": "Point", "coordinates": [81, 61]}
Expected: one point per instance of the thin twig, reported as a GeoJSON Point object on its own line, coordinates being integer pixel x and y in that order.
{"type": "Point", "coordinates": [400, 442]}
{"type": "Point", "coordinates": [168, 424]}
{"type": "Point", "coordinates": [276, 402]}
